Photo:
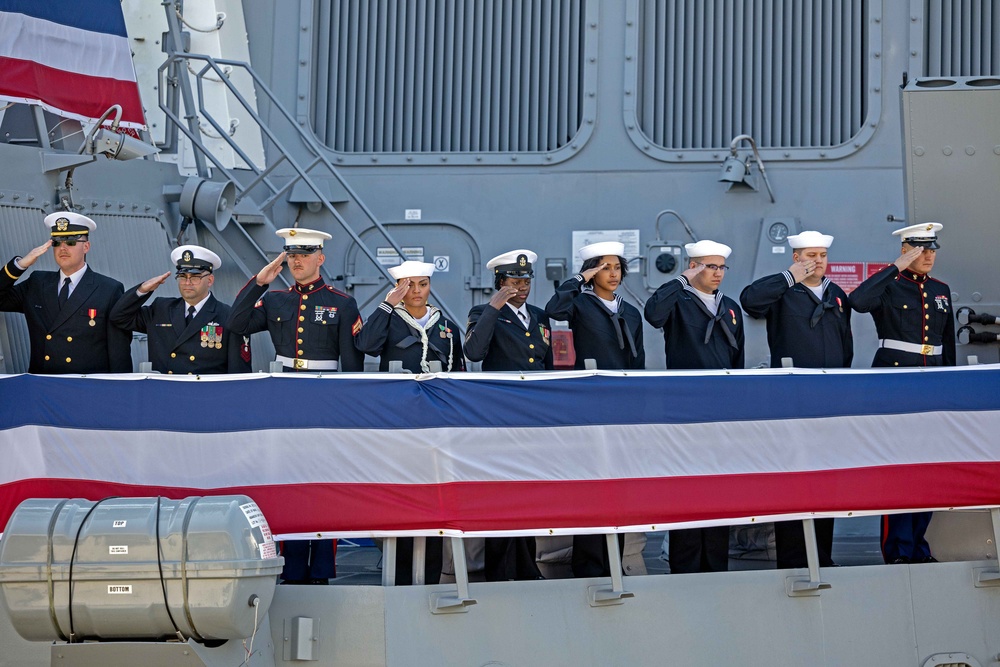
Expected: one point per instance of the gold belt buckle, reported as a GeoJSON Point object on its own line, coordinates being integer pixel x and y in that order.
{"type": "Point", "coordinates": [926, 349]}
{"type": "Point", "coordinates": [301, 363]}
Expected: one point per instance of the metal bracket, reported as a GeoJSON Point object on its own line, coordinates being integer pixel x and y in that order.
{"type": "Point", "coordinates": [604, 596]}
{"type": "Point", "coordinates": [986, 577]}
{"type": "Point", "coordinates": [804, 587]}
{"type": "Point", "coordinates": [459, 601]}
{"type": "Point", "coordinates": [811, 585]}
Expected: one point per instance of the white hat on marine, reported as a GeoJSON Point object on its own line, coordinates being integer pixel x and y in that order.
{"type": "Point", "coordinates": [707, 248]}
{"type": "Point", "coordinates": [602, 249]}
{"type": "Point", "coordinates": [513, 263]}
{"type": "Point", "coordinates": [411, 269]}
{"type": "Point", "coordinates": [190, 258]}
{"type": "Point", "coordinates": [301, 241]}
{"type": "Point", "coordinates": [923, 234]}
{"type": "Point", "coordinates": [810, 240]}
{"type": "Point", "coordinates": [67, 223]}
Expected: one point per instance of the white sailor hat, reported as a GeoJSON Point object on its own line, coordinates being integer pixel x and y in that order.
{"type": "Point", "coordinates": [707, 248]}
{"type": "Point", "coordinates": [300, 241]}
{"type": "Point", "coordinates": [67, 223]}
{"type": "Point", "coordinates": [810, 240]}
{"type": "Point", "coordinates": [602, 249]}
{"type": "Point", "coordinates": [411, 269]}
{"type": "Point", "coordinates": [514, 264]}
{"type": "Point", "coordinates": [924, 234]}
{"type": "Point", "coordinates": [194, 258]}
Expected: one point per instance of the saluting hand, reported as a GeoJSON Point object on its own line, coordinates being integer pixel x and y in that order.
{"type": "Point", "coordinates": [153, 283]}
{"type": "Point", "coordinates": [30, 258]}
{"type": "Point", "coordinates": [693, 271]}
{"type": "Point", "coordinates": [802, 270]}
{"type": "Point", "coordinates": [502, 296]}
{"type": "Point", "coordinates": [590, 273]}
{"type": "Point", "coordinates": [271, 271]}
{"type": "Point", "coordinates": [397, 293]}
{"type": "Point", "coordinates": [908, 257]}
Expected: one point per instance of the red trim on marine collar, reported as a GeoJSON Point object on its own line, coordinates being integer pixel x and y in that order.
{"type": "Point", "coordinates": [308, 288]}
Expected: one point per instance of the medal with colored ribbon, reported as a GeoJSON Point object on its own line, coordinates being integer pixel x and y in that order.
{"type": "Point", "coordinates": [92, 313]}
{"type": "Point", "coordinates": [732, 315]}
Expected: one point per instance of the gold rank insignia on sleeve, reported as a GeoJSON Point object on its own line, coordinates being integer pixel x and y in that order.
{"type": "Point", "coordinates": [356, 328]}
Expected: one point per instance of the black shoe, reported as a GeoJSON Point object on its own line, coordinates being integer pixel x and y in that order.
{"type": "Point", "coordinates": [318, 582]}
{"type": "Point", "coordinates": [294, 582]}
{"type": "Point", "coordinates": [902, 560]}
{"type": "Point", "coordinates": [929, 559]}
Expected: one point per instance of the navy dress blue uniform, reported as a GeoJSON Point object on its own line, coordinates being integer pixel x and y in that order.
{"type": "Point", "coordinates": [387, 336]}
{"type": "Point", "coordinates": [696, 338]}
{"type": "Point", "coordinates": [74, 334]}
{"type": "Point", "coordinates": [203, 347]}
{"type": "Point", "coordinates": [815, 333]}
{"type": "Point", "coordinates": [500, 340]}
{"type": "Point", "coordinates": [612, 339]}
{"type": "Point", "coordinates": [916, 327]}
{"type": "Point", "coordinates": [77, 338]}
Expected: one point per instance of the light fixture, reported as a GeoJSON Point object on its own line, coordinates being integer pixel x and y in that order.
{"type": "Point", "coordinates": [736, 171]}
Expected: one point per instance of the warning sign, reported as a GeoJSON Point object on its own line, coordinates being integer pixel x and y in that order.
{"type": "Point", "coordinates": [848, 275]}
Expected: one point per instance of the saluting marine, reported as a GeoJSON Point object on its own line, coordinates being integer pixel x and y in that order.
{"type": "Point", "coordinates": [189, 333]}
{"type": "Point", "coordinates": [67, 311]}
{"type": "Point", "coordinates": [808, 321]}
{"type": "Point", "coordinates": [312, 325]}
{"type": "Point", "coordinates": [916, 327]}
{"type": "Point", "coordinates": [508, 334]}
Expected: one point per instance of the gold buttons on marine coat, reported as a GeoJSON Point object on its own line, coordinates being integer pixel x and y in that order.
{"type": "Point", "coordinates": [925, 294]}
{"type": "Point", "coordinates": [303, 306]}
{"type": "Point", "coordinates": [926, 328]}
{"type": "Point", "coordinates": [173, 355]}
{"type": "Point", "coordinates": [302, 318]}
{"type": "Point", "coordinates": [305, 297]}
{"type": "Point", "coordinates": [69, 339]}
{"type": "Point", "coordinates": [904, 306]}
{"type": "Point", "coordinates": [531, 360]}
{"type": "Point", "coordinates": [46, 357]}
{"type": "Point", "coordinates": [927, 316]}
{"type": "Point", "coordinates": [48, 337]}
{"type": "Point", "coordinates": [68, 360]}
{"type": "Point", "coordinates": [299, 341]}
{"type": "Point", "coordinates": [301, 329]}
{"type": "Point", "coordinates": [531, 346]}
{"type": "Point", "coordinates": [191, 358]}
{"type": "Point", "coordinates": [300, 353]}
{"type": "Point", "coordinates": [170, 372]}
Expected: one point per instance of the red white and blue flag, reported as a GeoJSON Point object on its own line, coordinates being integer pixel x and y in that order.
{"type": "Point", "coordinates": [70, 57]}
{"type": "Point", "coordinates": [487, 453]}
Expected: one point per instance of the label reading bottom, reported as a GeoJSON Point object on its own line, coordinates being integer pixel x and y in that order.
{"type": "Point", "coordinates": [120, 589]}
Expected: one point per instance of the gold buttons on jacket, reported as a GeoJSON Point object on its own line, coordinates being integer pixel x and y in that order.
{"type": "Point", "coordinates": [531, 346]}
{"type": "Point", "coordinates": [527, 333]}
{"type": "Point", "coordinates": [904, 306]}
{"type": "Point", "coordinates": [302, 318]}
{"type": "Point", "coordinates": [926, 328]}
{"type": "Point", "coordinates": [299, 341]}
{"type": "Point", "coordinates": [301, 329]}
{"type": "Point", "coordinates": [46, 357]}
{"type": "Point", "coordinates": [48, 337]}
{"type": "Point", "coordinates": [303, 306]}
{"type": "Point", "coordinates": [300, 353]}
{"type": "Point", "coordinates": [68, 360]}
{"type": "Point", "coordinates": [305, 297]}
{"type": "Point", "coordinates": [925, 295]}
{"type": "Point", "coordinates": [69, 339]}
{"type": "Point", "coordinates": [531, 360]}
{"type": "Point", "coordinates": [191, 358]}
{"type": "Point", "coordinates": [173, 355]}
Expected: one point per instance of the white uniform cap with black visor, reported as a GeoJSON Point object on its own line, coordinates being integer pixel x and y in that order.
{"type": "Point", "coordinates": [301, 241]}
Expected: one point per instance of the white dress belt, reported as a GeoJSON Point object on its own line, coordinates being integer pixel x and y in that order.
{"type": "Point", "coordinates": [307, 364]}
{"type": "Point", "coordinates": [915, 348]}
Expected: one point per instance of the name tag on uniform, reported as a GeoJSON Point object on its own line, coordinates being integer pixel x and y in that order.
{"type": "Point", "coordinates": [164, 325]}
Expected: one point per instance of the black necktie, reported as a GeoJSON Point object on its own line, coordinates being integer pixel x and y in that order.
{"type": "Point", "coordinates": [524, 318]}
{"type": "Point", "coordinates": [64, 292]}
{"type": "Point", "coordinates": [187, 318]}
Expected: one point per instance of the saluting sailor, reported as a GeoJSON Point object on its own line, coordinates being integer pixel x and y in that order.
{"type": "Point", "coordinates": [312, 325]}
{"type": "Point", "coordinates": [508, 334]}
{"type": "Point", "coordinates": [702, 329]}
{"type": "Point", "coordinates": [186, 334]}
{"type": "Point", "coordinates": [808, 320]}
{"type": "Point", "coordinates": [406, 328]}
{"type": "Point", "coordinates": [67, 311]}
{"type": "Point", "coordinates": [916, 327]}
{"type": "Point", "coordinates": [605, 327]}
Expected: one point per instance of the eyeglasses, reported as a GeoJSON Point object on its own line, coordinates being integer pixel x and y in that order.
{"type": "Point", "coordinates": [191, 277]}
{"type": "Point", "coordinates": [70, 242]}
{"type": "Point", "coordinates": [716, 267]}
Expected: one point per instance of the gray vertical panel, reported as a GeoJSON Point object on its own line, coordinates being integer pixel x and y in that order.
{"type": "Point", "coordinates": [496, 48]}
{"type": "Point", "coordinates": [932, 59]}
{"type": "Point", "coordinates": [470, 64]}
{"type": "Point", "coordinates": [321, 68]}
{"type": "Point", "coordinates": [728, 57]}
{"type": "Point", "coordinates": [765, 85]}
{"type": "Point", "coordinates": [393, 92]}
{"type": "Point", "coordinates": [481, 58]}
{"type": "Point", "coordinates": [380, 54]}
{"type": "Point", "coordinates": [972, 53]}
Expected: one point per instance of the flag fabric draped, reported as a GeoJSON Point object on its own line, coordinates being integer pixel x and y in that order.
{"type": "Point", "coordinates": [491, 453]}
{"type": "Point", "coordinates": [72, 58]}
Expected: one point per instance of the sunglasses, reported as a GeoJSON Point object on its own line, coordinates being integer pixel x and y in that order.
{"type": "Point", "coordinates": [70, 242]}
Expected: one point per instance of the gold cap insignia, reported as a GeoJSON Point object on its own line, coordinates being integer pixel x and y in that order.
{"type": "Point", "coordinates": [291, 232]}
{"type": "Point", "coordinates": [187, 256]}
{"type": "Point", "coordinates": [522, 260]}
{"type": "Point", "coordinates": [929, 227]}
{"type": "Point", "coordinates": [62, 224]}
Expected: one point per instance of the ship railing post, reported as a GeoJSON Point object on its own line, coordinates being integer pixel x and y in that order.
{"type": "Point", "coordinates": [601, 596]}
{"type": "Point", "coordinates": [459, 601]}
{"type": "Point", "coordinates": [389, 561]}
{"type": "Point", "coordinates": [419, 560]}
{"type": "Point", "coordinates": [991, 576]}
{"type": "Point", "coordinates": [797, 586]}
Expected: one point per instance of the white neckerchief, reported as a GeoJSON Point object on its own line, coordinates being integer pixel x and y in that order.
{"type": "Point", "coordinates": [421, 326]}
{"type": "Point", "coordinates": [74, 280]}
